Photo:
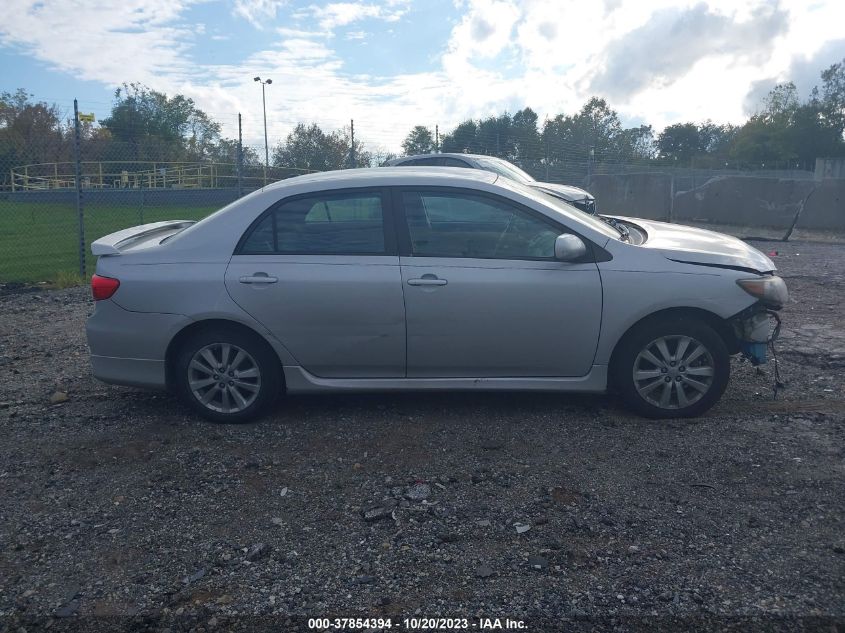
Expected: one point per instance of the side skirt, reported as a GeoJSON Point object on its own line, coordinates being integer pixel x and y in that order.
{"type": "Point", "coordinates": [298, 380]}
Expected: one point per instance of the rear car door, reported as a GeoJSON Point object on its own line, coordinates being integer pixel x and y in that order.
{"type": "Point", "coordinates": [321, 272]}
{"type": "Point", "coordinates": [484, 295]}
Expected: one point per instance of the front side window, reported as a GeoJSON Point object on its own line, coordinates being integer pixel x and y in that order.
{"type": "Point", "coordinates": [468, 225]}
{"type": "Point", "coordinates": [325, 224]}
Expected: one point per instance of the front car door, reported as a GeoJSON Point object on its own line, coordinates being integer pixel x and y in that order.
{"type": "Point", "coordinates": [484, 295]}
{"type": "Point", "coordinates": [321, 272]}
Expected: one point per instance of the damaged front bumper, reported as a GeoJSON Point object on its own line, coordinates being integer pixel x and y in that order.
{"type": "Point", "coordinates": [755, 329]}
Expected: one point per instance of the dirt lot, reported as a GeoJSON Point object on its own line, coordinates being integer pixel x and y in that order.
{"type": "Point", "coordinates": [120, 510]}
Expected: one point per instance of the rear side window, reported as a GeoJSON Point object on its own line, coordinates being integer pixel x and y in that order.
{"type": "Point", "coordinates": [325, 224]}
{"type": "Point", "coordinates": [448, 161]}
{"type": "Point", "coordinates": [435, 161]}
{"type": "Point", "coordinates": [421, 162]}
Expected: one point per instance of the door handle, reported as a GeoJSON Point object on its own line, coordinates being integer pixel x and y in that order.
{"type": "Point", "coordinates": [258, 278]}
{"type": "Point", "coordinates": [427, 281]}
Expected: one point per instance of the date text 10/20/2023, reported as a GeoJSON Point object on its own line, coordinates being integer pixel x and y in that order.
{"type": "Point", "coordinates": [417, 623]}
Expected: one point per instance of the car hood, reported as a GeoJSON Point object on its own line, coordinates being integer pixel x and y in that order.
{"type": "Point", "coordinates": [564, 191]}
{"type": "Point", "coordinates": [691, 245]}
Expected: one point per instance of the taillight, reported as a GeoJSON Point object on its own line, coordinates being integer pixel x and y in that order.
{"type": "Point", "coordinates": [103, 287]}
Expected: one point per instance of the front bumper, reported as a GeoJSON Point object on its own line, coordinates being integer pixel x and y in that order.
{"type": "Point", "coordinates": [755, 329]}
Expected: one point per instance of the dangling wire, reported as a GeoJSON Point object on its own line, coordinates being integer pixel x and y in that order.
{"type": "Point", "coordinates": [778, 384]}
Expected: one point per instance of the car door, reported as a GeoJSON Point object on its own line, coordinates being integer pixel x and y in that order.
{"type": "Point", "coordinates": [484, 295]}
{"type": "Point", "coordinates": [321, 272]}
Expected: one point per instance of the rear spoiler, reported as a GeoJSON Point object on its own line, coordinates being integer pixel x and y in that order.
{"type": "Point", "coordinates": [113, 243]}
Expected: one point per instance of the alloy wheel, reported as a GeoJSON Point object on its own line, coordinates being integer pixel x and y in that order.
{"type": "Point", "coordinates": [224, 377]}
{"type": "Point", "coordinates": [673, 372]}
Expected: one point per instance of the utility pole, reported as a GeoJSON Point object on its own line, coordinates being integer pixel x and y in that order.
{"type": "Point", "coordinates": [547, 159]}
{"type": "Point", "coordinates": [437, 138]}
{"type": "Point", "coordinates": [79, 210]}
{"type": "Point", "coordinates": [352, 143]}
{"type": "Point", "coordinates": [240, 158]}
{"type": "Point", "coordinates": [264, 105]}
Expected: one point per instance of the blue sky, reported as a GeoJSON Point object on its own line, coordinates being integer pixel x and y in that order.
{"type": "Point", "coordinates": [391, 64]}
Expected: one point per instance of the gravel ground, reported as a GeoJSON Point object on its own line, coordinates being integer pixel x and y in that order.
{"type": "Point", "coordinates": [121, 510]}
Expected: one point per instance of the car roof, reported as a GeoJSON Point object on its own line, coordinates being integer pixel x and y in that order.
{"type": "Point", "coordinates": [386, 176]}
{"type": "Point", "coordinates": [401, 159]}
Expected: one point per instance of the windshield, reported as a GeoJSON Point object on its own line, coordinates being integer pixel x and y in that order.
{"type": "Point", "coordinates": [568, 211]}
{"type": "Point", "coordinates": [504, 168]}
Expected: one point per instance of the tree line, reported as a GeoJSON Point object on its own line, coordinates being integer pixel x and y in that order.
{"type": "Point", "coordinates": [147, 125]}
{"type": "Point", "coordinates": [784, 131]}
{"type": "Point", "coordinates": [143, 125]}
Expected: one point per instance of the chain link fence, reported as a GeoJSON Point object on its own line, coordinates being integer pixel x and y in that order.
{"type": "Point", "coordinates": [51, 211]}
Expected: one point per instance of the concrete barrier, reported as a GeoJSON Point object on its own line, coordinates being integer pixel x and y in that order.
{"type": "Point", "coordinates": [764, 202]}
{"type": "Point", "coordinates": [639, 195]}
{"type": "Point", "coordinates": [725, 200]}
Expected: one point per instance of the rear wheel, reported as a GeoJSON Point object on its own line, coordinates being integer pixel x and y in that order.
{"type": "Point", "coordinates": [671, 368]}
{"type": "Point", "coordinates": [227, 375]}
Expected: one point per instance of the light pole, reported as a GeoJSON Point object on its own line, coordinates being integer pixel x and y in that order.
{"type": "Point", "coordinates": [264, 105]}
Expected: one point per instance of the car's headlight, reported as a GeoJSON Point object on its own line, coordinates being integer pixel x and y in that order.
{"type": "Point", "coordinates": [770, 290]}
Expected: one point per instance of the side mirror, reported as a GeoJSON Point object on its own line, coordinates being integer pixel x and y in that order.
{"type": "Point", "coordinates": [569, 247]}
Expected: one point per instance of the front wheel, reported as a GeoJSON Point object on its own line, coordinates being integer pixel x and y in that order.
{"type": "Point", "coordinates": [227, 375]}
{"type": "Point", "coordinates": [671, 368]}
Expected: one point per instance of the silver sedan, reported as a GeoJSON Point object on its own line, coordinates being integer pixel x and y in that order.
{"type": "Point", "coordinates": [575, 196]}
{"type": "Point", "coordinates": [424, 279]}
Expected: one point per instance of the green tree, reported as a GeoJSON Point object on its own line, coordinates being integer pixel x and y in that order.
{"type": "Point", "coordinates": [717, 139]}
{"type": "Point", "coordinates": [493, 136]}
{"type": "Point", "coordinates": [637, 143]}
{"type": "Point", "coordinates": [681, 142]}
{"type": "Point", "coordinates": [461, 139]}
{"type": "Point", "coordinates": [420, 140]}
{"type": "Point", "coordinates": [762, 140]}
{"type": "Point", "coordinates": [149, 125]}
{"type": "Point", "coordinates": [226, 151]}
{"type": "Point", "coordinates": [813, 132]}
{"type": "Point", "coordinates": [781, 102]}
{"type": "Point", "coordinates": [787, 130]}
{"type": "Point", "coordinates": [309, 147]}
{"type": "Point", "coordinates": [595, 132]}
{"type": "Point", "coordinates": [833, 95]}
{"type": "Point", "coordinates": [31, 132]}
{"type": "Point", "coordinates": [526, 142]}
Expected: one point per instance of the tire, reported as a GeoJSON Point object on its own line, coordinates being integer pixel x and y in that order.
{"type": "Point", "coordinates": [246, 388]}
{"type": "Point", "coordinates": [656, 381]}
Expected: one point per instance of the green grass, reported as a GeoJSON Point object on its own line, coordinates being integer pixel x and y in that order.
{"type": "Point", "coordinates": [39, 242]}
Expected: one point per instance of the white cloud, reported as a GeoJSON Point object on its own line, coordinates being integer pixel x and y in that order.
{"type": "Point", "coordinates": [257, 12]}
{"type": "Point", "coordinates": [100, 40]}
{"type": "Point", "coordinates": [335, 14]}
{"type": "Point", "coordinates": [501, 54]}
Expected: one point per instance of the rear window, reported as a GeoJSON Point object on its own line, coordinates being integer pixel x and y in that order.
{"type": "Point", "coordinates": [325, 224]}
